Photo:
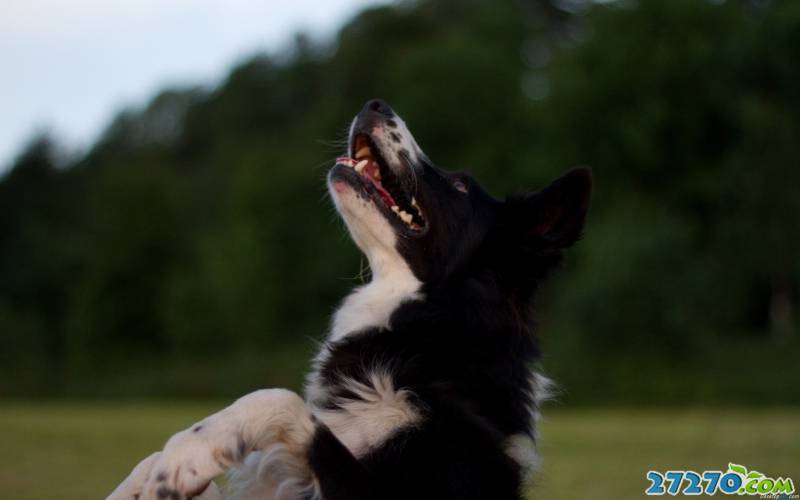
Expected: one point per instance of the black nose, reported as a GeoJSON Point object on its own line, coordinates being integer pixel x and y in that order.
{"type": "Point", "coordinates": [379, 106]}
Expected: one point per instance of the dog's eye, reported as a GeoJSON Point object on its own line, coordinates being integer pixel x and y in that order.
{"type": "Point", "coordinates": [460, 185]}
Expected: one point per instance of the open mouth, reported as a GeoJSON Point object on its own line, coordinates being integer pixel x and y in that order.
{"type": "Point", "coordinates": [386, 188]}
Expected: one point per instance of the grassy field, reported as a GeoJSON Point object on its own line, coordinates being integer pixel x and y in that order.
{"type": "Point", "coordinates": [80, 451]}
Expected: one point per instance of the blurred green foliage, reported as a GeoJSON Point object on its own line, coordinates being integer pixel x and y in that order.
{"type": "Point", "coordinates": [192, 250]}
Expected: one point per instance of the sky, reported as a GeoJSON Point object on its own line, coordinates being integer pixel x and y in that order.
{"type": "Point", "coordinates": [70, 65]}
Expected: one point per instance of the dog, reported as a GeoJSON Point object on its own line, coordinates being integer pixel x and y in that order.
{"type": "Point", "coordinates": [424, 387]}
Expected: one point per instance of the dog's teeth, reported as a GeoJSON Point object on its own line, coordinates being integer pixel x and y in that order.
{"type": "Point", "coordinates": [413, 202]}
{"type": "Point", "coordinates": [345, 161]}
{"type": "Point", "coordinates": [377, 174]}
{"type": "Point", "coordinates": [395, 209]}
{"type": "Point", "coordinates": [407, 217]}
{"type": "Point", "coordinates": [360, 165]}
{"type": "Point", "coordinates": [362, 152]}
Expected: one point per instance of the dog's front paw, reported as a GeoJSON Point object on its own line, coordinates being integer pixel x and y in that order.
{"type": "Point", "coordinates": [185, 468]}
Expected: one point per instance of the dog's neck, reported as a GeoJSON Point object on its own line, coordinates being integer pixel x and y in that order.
{"type": "Point", "coordinates": [371, 305]}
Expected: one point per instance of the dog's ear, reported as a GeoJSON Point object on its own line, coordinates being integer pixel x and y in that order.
{"type": "Point", "coordinates": [553, 218]}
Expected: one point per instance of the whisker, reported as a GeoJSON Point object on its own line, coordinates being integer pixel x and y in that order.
{"type": "Point", "coordinates": [324, 164]}
{"type": "Point", "coordinates": [336, 144]}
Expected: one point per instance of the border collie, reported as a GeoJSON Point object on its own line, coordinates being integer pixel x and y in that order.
{"type": "Point", "coordinates": [424, 387]}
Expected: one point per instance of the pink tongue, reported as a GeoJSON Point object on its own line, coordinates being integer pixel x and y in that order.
{"type": "Point", "coordinates": [387, 198]}
{"type": "Point", "coordinates": [371, 170]}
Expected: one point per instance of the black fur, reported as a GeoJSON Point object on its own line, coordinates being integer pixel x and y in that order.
{"type": "Point", "coordinates": [464, 351]}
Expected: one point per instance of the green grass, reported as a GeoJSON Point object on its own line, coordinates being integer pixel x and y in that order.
{"type": "Point", "coordinates": [606, 454]}
{"type": "Point", "coordinates": [80, 451]}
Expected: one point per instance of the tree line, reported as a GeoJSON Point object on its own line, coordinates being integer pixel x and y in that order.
{"type": "Point", "coordinates": [192, 250]}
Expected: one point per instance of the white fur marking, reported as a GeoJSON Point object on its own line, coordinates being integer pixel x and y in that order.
{"type": "Point", "coordinates": [275, 474]}
{"type": "Point", "coordinates": [373, 304]}
{"type": "Point", "coordinates": [393, 282]}
{"type": "Point", "coordinates": [521, 447]}
{"type": "Point", "coordinates": [362, 424]}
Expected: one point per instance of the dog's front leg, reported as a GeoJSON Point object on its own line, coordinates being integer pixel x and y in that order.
{"type": "Point", "coordinates": [195, 456]}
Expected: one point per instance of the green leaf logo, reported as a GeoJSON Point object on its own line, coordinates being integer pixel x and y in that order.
{"type": "Point", "coordinates": [754, 474]}
{"type": "Point", "coordinates": [740, 469]}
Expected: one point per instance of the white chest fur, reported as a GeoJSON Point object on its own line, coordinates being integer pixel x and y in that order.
{"type": "Point", "coordinates": [381, 408]}
{"type": "Point", "coordinates": [373, 304]}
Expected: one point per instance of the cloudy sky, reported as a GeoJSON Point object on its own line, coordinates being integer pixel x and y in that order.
{"type": "Point", "coordinates": [68, 65]}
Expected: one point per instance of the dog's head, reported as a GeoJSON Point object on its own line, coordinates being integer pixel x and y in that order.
{"type": "Point", "coordinates": [404, 213]}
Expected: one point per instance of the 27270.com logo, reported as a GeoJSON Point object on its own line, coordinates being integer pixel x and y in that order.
{"type": "Point", "coordinates": [737, 480]}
